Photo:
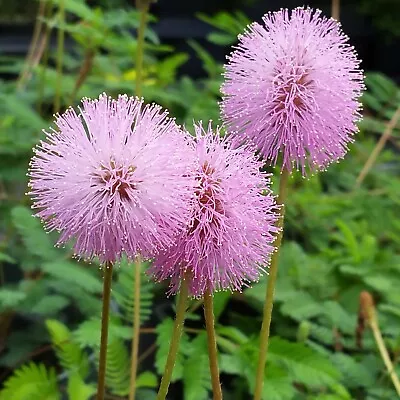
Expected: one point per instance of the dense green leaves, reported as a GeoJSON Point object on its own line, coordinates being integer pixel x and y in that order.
{"type": "Point", "coordinates": [117, 368]}
{"type": "Point", "coordinates": [37, 242]}
{"type": "Point", "coordinates": [69, 353]}
{"type": "Point", "coordinates": [123, 292]}
{"type": "Point", "coordinates": [303, 364]}
{"type": "Point", "coordinates": [78, 389]}
{"type": "Point", "coordinates": [74, 274]}
{"type": "Point", "coordinates": [164, 334]}
{"type": "Point", "coordinates": [10, 298]}
{"type": "Point", "coordinates": [196, 371]}
{"type": "Point", "coordinates": [31, 381]}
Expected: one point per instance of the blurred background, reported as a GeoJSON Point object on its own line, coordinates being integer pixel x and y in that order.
{"type": "Point", "coordinates": [342, 234]}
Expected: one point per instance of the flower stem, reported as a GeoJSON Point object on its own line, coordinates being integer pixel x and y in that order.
{"type": "Point", "coordinates": [368, 312]}
{"type": "Point", "coordinates": [59, 57]}
{"type": "Point", "coordinates": [335, 11]}
{"type": "Point", "coordinates": [108, 270]}
{"type": "Point", "coordinates": [43, 69]}
{"type": "Point", "coordinates": [269, 299]}
{"type": "Point", "coordinates": [212, 345]}
{"type": "Point", "coordinates": [143, 6]}
{"type": "Point", "coordinates": [33, 45]}
{"type": "Point", "coordinates": [83, 73]}
{"type": "Point", "coordinates": [136, 328]}
{"type": "Point", "coordinates": [385, 355]}
{"type": "Point", "coordinates": [378, 148]}
{"type": "Point", "coordinates": [175, 339]}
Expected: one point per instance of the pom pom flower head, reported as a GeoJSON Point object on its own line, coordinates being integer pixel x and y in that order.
{"type": "Point", "coordinates": [292, 86]}
{"type": "Point", "coordinates": [115, 178]}
{"type": "Point", "coordinates": [232, 224]}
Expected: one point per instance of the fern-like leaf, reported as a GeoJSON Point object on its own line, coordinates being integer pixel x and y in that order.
{"type": "Point", "coordinates": [88, 303]}
{"type": "Point", "coordinates": [303, 364]}
{"type": "Point", "coordinates": [36, 241]}
{"type": "Point", "coordinates": [302, 306]}
{"type": "Point", "coordinates": [10, 297]}
{"type": "Point", "coordinates": [123, 292]}
{"type": "Point", "coordinates": [339, 317]}
{"type": "Point", "coordinates": [79, 390]}
{"type": "Point", "coordinates": [164, 334]}
{"type": "Point", "coordinates": [74, 274]}
{"type": "Point", "coordinates": [118, 368]}
{"type": "Point", "coordinates": [278, 385]}
{"type": "Point", "coordinates": [118, 358]}
{"type": "Point", "coordinates": [69, 353]}
{"type": "Point", "coordinates": [196, 370]}
{"type": "Point", "coordinates": [88, 332]}
{"type": "Point", "coordinates": [6, 258]}
{"type": "Point", "coordinates": [50, 304]}
{"type": "Point", "coordinates": [356, 374]}
{"type": "Point", "coordinates": [146, 380]}
{"type": "Point", "coordinates": [31, 382]}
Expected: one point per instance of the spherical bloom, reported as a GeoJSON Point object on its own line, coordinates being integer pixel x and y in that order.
{"type": "Point", "coordinates": [292, 86]}
{"type": "Point", "coordinates": [115, 177]}
{"type": "Point", "coordinates": [228, 240]}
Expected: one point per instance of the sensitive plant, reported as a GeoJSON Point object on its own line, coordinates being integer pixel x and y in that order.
{"type": "Point", "coordinates": [227, 243]}
{"type": "Point", "coordinates": [115, 178]}
{"type": "Point", "coordinates": [292, 86]}
{"type": "Point", "coordinates": [102, 180]}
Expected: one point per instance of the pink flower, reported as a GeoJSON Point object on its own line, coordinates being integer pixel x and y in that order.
{"type": "Point", "coordinates": [292, 86]}
{"type": "Point", "coordinates": [228, 241]}
{"type": "Point", "coordinates": [115, 178]}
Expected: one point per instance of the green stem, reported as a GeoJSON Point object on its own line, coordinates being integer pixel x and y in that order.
{"type": "Point", "coordinates": [378, 148]}
{"type": "Point", "coordinates": [43, 69]}
{"type": "Point", "coordinates": [108, 270]}
{"type": "Point", "coordinates": [33, 45]}
{"type": "Point", "coordinates": [83, 73]}
{"type": "Point", "coordinates": [212, 345]}
{"type": "Point", "coordinates": [269, 298]}
{"type": "Point", "coordinates": [144, 9]}
{"type": "Point", "coordinates": [59, 57]}
{"type": "Point", "coordinates": [335, 10]}
{"type": "Point", "coordinates": [175, 339]}
{"type": "Point", "coordinates": [136, 329]}
{"type": "Point", "coordinates": [384, 354]}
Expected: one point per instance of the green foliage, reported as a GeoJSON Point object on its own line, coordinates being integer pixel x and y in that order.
{"type": "Point", "coordinates": [289, 363]}
{"type": "Point", "coordinates": [9, 298]}
{"type": "Point", "coordinates": [164, 334]}
{"type": "Point", "coordinates": [382, 98]}
{"type": "Point", "coordinates": [50, 305]}
{"type": "Point", "coordinates": [146, 380]}
{"type": "Point", "coordinates": [228, 25]}
{"type": "Point", "coordinates": [196, 371]}
{"type": "Point", "coordinates": [304, 365]}
{"type": "Point", "coordinates": [118, 367]}
{"type": "Point", "coordinates": [212, 68]}
{"type": "Point", "coordinates": [31, 382]}
{"type": "Point", "coordinates": [74, 275]}
{"type": "Point", "coordinates": [69, 353]}
{"type": "Point", "coordinates": [36, 241]}
{"type": "Point", "coordinates": [124, 294]}
{"type": "Point", "coordinates": [78, 389]}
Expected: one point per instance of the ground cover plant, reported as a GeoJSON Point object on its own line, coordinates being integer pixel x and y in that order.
{"type": "Point", "coordinates": [341, 241]}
